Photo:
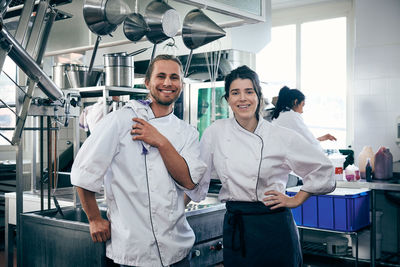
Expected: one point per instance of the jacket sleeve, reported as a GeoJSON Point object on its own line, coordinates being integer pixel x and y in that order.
{"type": "Point", "coordinates": [191, 154]}
{"type": "Point", "coordinates": [96, 154]}
{"type": "Point", "coordinates": [311, 164]}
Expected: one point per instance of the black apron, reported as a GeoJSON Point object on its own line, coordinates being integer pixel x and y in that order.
{"type": "Point", "coordinates": [255, 235]}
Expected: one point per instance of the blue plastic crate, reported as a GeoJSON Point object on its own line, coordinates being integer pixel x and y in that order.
{"type": "Point", "coordinates": [343, 210]}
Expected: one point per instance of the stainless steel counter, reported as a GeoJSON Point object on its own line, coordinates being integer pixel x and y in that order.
{"type": "Point", "coordinates": [50, 239]}
{"type": "Point", "coordinates": [391, 185]}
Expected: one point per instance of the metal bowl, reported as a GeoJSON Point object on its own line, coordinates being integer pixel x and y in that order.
{"type": "Point", "coordinates": [82, 78]}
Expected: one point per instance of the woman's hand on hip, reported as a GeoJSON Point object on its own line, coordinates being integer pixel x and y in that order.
{"type": "Point", "coordinates": [275, 200]}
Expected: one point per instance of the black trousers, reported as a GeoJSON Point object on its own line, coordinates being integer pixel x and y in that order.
{"type": "Point", "coordinates": [255, 235]}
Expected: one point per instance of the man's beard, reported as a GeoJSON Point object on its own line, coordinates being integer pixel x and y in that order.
{"type": "Point", "coordinates": [164, 103]}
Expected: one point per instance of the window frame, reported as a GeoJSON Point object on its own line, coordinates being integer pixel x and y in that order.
{"type": "Point", "coordinates": [322, 11]}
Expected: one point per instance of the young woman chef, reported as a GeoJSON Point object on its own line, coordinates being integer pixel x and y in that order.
{"type": "Point", "coordinates": [253, 158]}
{"type": "Point", "coordinates": [287, 114]}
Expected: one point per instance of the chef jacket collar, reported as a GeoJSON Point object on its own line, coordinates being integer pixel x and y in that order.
{"type": "Point", "coordinates": [240, 127]}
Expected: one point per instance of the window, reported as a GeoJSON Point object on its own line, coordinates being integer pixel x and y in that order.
{"type": "Point", "coordinates": [310, 56]}
{"type": "Point", "coordinates": [7, 94]}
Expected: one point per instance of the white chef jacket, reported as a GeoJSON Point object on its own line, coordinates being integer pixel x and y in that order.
{"type": "Point", "coordinates": [249, 164]}
{"type": "Point", "coordinates": [293, 120]}
{"type": "Point", "coordinates": [145, 204]}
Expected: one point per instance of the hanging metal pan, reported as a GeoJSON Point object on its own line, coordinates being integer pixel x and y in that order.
{"type": "Point", "coordinates": [135, 27]}
{"type": "Point", "coordinates": [94, 13]}
{"type": "Point", "coordinates": [198, 30]}
{"type": "Point", "coordinates": [163, 21]}
{"type": "Point", "coordinates": [103, 16]}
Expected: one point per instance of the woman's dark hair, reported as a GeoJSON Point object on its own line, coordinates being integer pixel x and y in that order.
{"type": "Point", "coordinates": [244, 72]}
{"type": "Point", "coordinates": [287, 100]}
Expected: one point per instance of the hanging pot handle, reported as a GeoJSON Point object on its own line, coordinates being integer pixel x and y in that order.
{"type": "Point", "coordinates": [96, 45]}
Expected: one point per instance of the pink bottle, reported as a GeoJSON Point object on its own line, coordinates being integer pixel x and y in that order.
{"type": "Point", "coordinates": [383, 164]}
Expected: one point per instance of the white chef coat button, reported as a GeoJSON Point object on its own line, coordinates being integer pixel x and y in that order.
{"type": "Point", "coordinates": [254, 178]}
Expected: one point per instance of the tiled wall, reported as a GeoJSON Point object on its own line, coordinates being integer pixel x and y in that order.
{"type": "Point", "coordinates": [376, 74]}
{"type": "Point", "coordinates": [376, 90]}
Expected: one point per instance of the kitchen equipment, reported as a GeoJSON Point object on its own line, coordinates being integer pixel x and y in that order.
{"type": "Point", "coordinates": [103, 17]}
{"type": "Point", "coordinates": [163, 22]}
{"type": "Point", "coordinates": [336, 245]}
{"type": "Point", "coordinates": [198, 30]}
{"type": "Point", "coordinates": [79, 76]}
{"type": "Point", "coordinates": [118, 69]}
{"type": "Point", "coordinates": [135, 26]}
{"type": "Point", "coordinates": [60, 76]}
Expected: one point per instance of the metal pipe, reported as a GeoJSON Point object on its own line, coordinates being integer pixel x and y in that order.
{"type": "Point", "coordinates": [28, 128]}
{"type": "Point", "coordinates": [41, 163]}
{"type": "Point", "coordinates": [49, 158]}
{"type": "Point", "coordinates": [188, 63]}
{"type": "Point", "coordinates": [46, 33]}
{"type": "Point", "coordinates": [29, 66]}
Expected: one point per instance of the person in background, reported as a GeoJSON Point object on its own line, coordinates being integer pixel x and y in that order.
{"type": "Point", "coordinates": [253, 158]}
{"type": "Point", "coordinates": [287, 113]}
{"type": "Point", "coordinates": [147, 169]}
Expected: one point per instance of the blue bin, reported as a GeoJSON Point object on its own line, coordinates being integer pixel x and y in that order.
{"type": "Point", "coordinates": [310, 212]}
{"type": "Point", "coordinates": [343, 212]}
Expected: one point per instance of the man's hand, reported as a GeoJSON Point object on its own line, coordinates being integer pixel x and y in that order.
{"type": "Point", "coordinates": [147, 133]}
{"type": "Point", "coordinates": [100, 230]}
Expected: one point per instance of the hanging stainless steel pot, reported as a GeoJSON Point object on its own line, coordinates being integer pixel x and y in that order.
{"type": "Point", "coordinates": [163, 21]}
{"type": "Point", "coordinates": [198, 30]}
{"type": "Point", "coordinates": [135, 27]}
{"type": "Point", "coordinates": [94, 13]}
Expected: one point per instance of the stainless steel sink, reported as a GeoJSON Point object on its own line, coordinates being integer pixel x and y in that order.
{"type": "Point", "coordinates": [49, 239]}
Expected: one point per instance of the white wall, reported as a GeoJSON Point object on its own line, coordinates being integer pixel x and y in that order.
{"type": "Point", "coordinates": [376, 90]}
{"type": "Point", "coordinates": [376, 87]}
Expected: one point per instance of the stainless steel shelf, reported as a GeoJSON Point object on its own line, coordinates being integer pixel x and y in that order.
{"type": "Point", "coordinates": [318, 249]}
{"type": "Point", "coordinates": [97, 91]}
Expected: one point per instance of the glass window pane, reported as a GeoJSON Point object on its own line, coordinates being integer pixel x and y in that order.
{"type": "Point", "coordinates": [323, 76]}
{"type": "Point", "coordinates": [7, 94]}
{"type": "Point", "coordinates": [276, 63]}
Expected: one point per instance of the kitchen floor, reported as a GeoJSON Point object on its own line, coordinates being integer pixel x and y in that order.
{"type": "Point", "coordinates": [309, 261]}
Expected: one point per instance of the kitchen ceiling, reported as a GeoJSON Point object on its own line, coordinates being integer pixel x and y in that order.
{"type": "Point", "coordinates": [278, 4]}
